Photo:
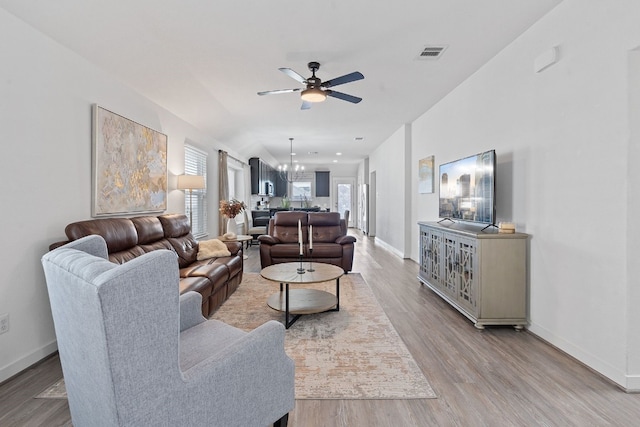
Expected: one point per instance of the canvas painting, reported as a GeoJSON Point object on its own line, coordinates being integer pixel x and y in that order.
{"type": "Point", "coordinates": [129, 166]}
{"type": "Point", "coordinates": [425, 175]}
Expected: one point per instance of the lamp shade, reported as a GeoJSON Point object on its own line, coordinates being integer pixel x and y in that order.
{"type": "Point", "coordinates": [190, 182]}
{"type": "Point", "coordinates": [313, 95]}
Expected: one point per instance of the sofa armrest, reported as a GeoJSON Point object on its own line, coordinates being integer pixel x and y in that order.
{"type": "Point", "coordinates": [234, 247]}
{"type": "Point", "coordinates": [345, 240]}
{"type": "Point", "coordinates": [190, 310]}
{"type": "Point", "coordinates": [269, 240]}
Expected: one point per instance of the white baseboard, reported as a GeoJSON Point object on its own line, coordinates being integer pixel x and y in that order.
{"type": "Point", "coordinates": [626, 382]}
{"type": "Point", "coordinates": [633, 384]}
{"type": "Point", "coordinates": [23, 363]}
{"type": "Point", "coordinates": [389, 247]}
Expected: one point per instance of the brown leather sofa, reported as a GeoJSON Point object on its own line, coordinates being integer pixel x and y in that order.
{"type": "Point", "coordinates": [331, 244]}
{"type": "Point", "coordinates": [127, 238]}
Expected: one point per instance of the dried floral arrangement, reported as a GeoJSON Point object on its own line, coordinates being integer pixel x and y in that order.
{"type": "Point", "coordinates": [231, 208]}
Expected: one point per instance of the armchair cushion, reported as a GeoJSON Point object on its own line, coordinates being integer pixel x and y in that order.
{"type": "Point", "coordinates": [190, 314]}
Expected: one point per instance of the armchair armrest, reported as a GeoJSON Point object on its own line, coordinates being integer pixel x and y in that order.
{"type": "Point", "coordinates": [269, 240]}
{"type": "Point", "coordinates": [190, 310]}
{"type": "Point", "coordinates": [344, 240]}
{"type": "Point", "coordinates": [266, 342]}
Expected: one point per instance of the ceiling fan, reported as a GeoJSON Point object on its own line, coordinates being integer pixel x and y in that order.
{"type": "Point", "coordinates": [316, 90]}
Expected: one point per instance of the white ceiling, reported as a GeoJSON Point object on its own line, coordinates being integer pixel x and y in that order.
{"type": "Point", "coordinates": [205, 60]}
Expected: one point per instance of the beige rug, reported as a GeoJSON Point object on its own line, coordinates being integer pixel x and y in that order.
{"type": "Point", "coordinates": [354, 353]}
{"type": "Point", "coordinates": [351, 354]}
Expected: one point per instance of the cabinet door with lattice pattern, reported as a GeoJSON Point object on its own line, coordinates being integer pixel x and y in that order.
{"type": "Point", "coordinates": [430, 257]}
{"type": "Point", "coordinates": [450, 264]}
{"type": "Point", "coordinates": [467, 286]}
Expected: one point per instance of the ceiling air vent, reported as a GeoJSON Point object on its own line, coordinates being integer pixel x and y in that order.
{"type": "Point", "coordinates": [431, 52]}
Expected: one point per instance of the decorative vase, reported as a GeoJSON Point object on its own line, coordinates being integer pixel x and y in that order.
{"type": "Point", "coordinates": [231, 225]}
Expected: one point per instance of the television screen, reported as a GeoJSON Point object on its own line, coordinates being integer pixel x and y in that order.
{"type": "Point", "coordinates": [467, 188]}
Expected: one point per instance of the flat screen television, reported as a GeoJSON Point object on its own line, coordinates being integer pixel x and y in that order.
{"type": "Point", "coordinates": [468, 188]}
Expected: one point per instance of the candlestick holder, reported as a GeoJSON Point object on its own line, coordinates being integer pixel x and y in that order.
{"type": "Point", "coordinates": [301, 269]}
{"type": "Point", "coordinates": [311, 260]}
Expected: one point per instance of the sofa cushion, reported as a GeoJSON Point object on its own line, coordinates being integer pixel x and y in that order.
{"type": "Point", "coordinates": [327, 250]}
{"type": "Point", "coordinates": [326, 227]}
{"type": "Point", "coordinates": [202, 285]}
{"type": "Point", "coordinates": [119, 233]}
{"type": "Point", "coordinates": [127, 255]}
{"type": "Point", "coordinates": [285, 250]}
{"type": "Point", "coordinates": [160, 244]}
{"type": "Point", "coordinates": [217, 273]}
{"type": "Point", "coordinates": [178, 232]}
{"type": "Point", "coordinates": [175, 225]}
{"type": "Point", "coordinates": [149, 229]}
{"type": "Point", "coordinates": [232, 263]}
{"type": "Point", "coordinates": [285, 226]}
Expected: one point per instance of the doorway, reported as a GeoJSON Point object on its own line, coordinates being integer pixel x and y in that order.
{"type": "Point", "coordinates": [372, 204]}
{"type": "Point", "coordinates": [344, 196]}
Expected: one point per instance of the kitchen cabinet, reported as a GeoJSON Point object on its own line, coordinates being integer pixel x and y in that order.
{"type": "Point", "coordinates": [262, 178]}
{"type": "Point", "coordinates": [323, 185]}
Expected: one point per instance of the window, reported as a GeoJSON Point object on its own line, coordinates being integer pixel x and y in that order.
{"type": "Point", "coordinates": [195, 163]}
{"type": "Point", "coordinates": [301, 190]}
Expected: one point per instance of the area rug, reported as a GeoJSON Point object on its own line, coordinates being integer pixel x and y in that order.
{"type": "Point", "coordinates": [354, 353]}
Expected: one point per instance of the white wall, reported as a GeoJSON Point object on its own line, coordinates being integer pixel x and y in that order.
{"type": "Point", "coordinates": [633, 225]}
{"type": "Point", "coordinates": [566, 173]}
{"type": "Point", "coordinates": [388, 162]}
{"type": "Point", "coordinates": [46, 93]}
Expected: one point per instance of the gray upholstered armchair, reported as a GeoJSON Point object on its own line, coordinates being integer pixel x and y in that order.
{"type": "Point", "coordinates": [135, 353]}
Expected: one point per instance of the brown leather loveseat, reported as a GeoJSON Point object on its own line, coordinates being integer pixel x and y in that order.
{"type": "Point", "coordinates": [127, 238]}
{"type": "Point", "coordinates": [331, 244]}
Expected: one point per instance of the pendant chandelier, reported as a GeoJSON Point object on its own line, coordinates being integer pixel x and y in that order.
{"type": "Point", "coordinates": [291, 173]}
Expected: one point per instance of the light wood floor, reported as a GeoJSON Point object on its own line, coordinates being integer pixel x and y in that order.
{"type": "Point", "coordinates": [495, 377]}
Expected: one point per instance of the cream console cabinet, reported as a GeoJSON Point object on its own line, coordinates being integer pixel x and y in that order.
{"type": "Point", "coordinates": [483, 274]}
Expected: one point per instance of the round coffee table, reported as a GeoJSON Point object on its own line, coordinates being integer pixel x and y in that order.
{"type": "Point", "coordinates": [296, 302]}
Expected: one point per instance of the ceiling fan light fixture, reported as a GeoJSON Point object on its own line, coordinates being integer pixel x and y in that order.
{"type": "Point", "coordinates": [313, 95]}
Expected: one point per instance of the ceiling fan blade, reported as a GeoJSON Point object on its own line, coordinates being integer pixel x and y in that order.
{"type": "Point", "coordinates": [273, 92]}
{"type": "Point", "coordinates": [343, 96]}
{"type": "Point", "coordinates": [289, 72]}
{"type": "Point", "coordinates": [306, 105]}
{"type": "Point", "coordinates": [347, 78]}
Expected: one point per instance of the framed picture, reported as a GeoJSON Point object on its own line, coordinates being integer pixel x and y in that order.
{"type": "Point", "coordinates": [129, 166]}
{"type": "Point", "coordinates": [425, 175]}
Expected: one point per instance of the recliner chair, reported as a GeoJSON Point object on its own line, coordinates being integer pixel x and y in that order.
{"type": "Point", "coordinates": [136, 353]}
{"type": "Point", "coordinates": [331, 244]}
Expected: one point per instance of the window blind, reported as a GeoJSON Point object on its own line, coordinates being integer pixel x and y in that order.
{"type": "Point", "coordinates": [195, 163]}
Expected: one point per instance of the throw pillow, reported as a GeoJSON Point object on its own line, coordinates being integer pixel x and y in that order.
{"type": "Point", "coordinates": [212, 248]}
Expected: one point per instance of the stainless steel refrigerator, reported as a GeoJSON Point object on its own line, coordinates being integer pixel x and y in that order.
{"type": "Point", "coordinates": [363, 208]}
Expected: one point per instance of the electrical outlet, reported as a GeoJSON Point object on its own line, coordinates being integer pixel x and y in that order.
{"type": "Point", "coordinates": [4, 323]}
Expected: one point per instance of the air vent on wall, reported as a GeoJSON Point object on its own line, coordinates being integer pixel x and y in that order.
{"type": "Point", "coordinates": [431, 52]}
